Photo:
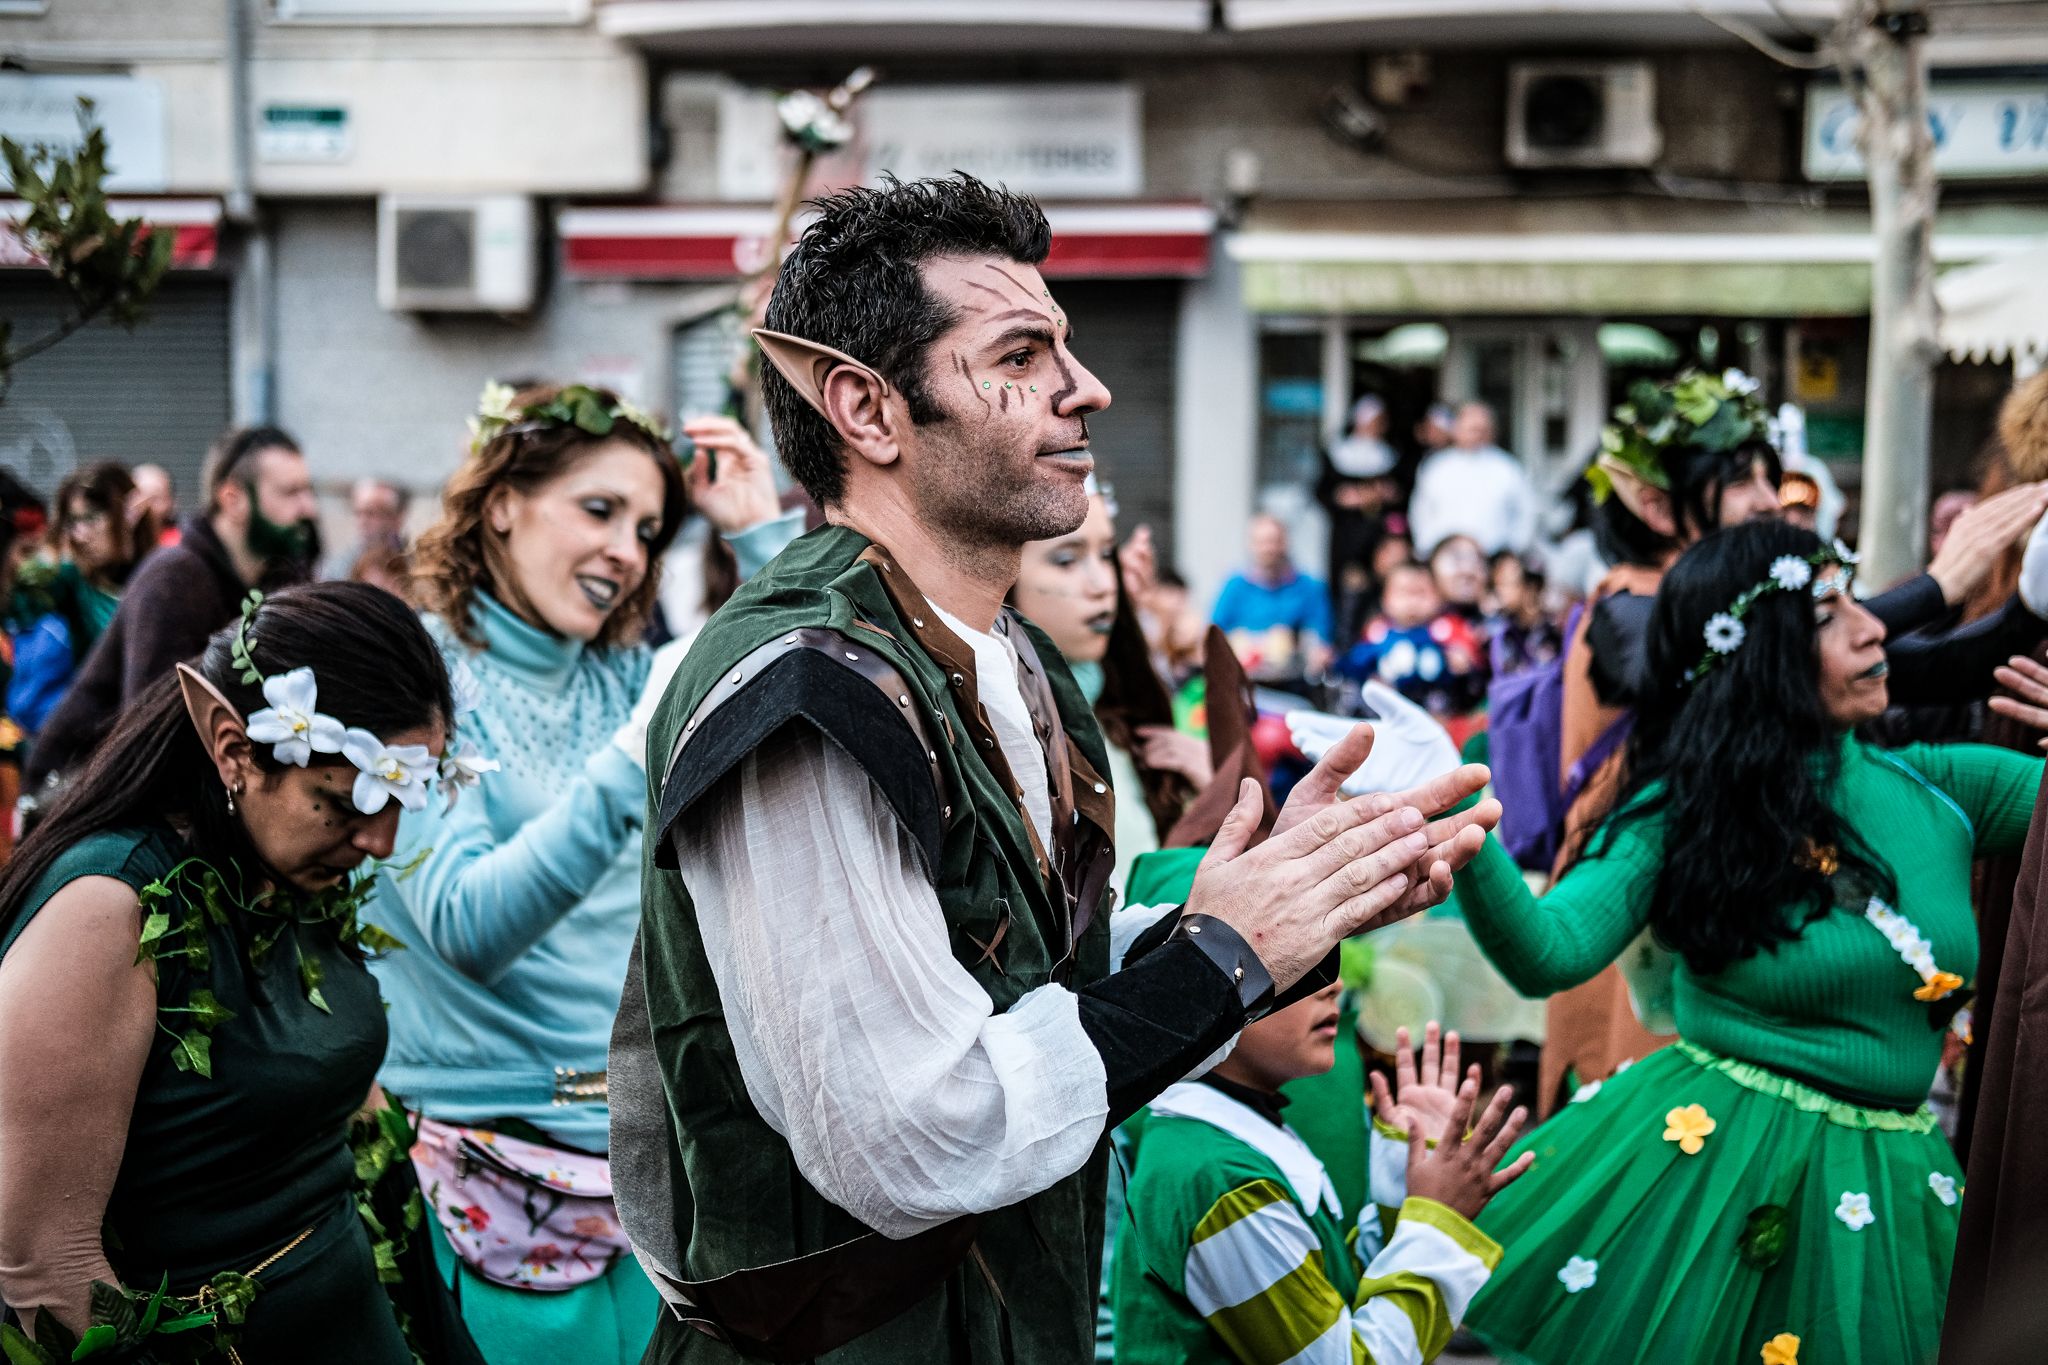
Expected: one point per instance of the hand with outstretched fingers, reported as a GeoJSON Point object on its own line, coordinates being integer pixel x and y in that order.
{"type": "Point", "coordinates": [1428, 1094]}
{"type": "Point", "coordinates": [1463, 1171]}
{"type": "Point", "coordinates": [1333, 868]}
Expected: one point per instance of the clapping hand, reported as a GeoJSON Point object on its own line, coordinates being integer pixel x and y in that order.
{"type": "Point", "coordinates": [1453, 840]}
{"type": "Point", "coordinates": [1334, 868]}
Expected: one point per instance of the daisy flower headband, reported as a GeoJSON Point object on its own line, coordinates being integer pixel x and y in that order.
{"type": "Point", "coordinates": [1725, 630]}
{"type": "Point", "coordinates": [296, 729]}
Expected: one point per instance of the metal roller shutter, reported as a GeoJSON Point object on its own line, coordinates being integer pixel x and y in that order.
{"type": "Point", "coordinates": [1124, 332]}
{"type": "Point", "coordinates": [158, 394]}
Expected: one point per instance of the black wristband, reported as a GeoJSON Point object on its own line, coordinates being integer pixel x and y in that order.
{"type": "Point", "coordinates": [1225, 947]}
{"type": "Point", "coordinates": [1155, 1020]}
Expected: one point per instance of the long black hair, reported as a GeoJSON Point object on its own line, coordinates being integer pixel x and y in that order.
{"type": "Point", "coordinates": [1698, 476]}
{"type": "Point", "coordinates": [1741, 764]}
{"type": "Point", "coordinates": [375, 667]}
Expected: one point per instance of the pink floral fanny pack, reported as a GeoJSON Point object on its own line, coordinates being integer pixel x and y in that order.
{"type": "Point", "coordinates": [519, 1213]}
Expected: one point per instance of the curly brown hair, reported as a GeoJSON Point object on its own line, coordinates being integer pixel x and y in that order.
{"type": "Point", "coordinates": [454, 556]}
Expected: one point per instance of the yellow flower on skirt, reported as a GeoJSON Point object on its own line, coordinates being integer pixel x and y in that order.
{"type": "Point", "coordinates": [1782, 1349]}
{"type": "Point", "coordinates": [1688, 1127]}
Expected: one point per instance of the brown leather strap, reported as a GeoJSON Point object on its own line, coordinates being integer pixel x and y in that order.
{"type": "Point", "coordinates": [852, 655]}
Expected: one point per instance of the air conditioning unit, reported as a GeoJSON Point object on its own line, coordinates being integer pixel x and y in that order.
{"type": "Point", "coordinates": [455, 253]}
{"type": "Point", "coordinates": [1576, 114]}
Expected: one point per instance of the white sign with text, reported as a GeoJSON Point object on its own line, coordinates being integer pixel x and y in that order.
{"type": "Point", "coordinates": [129, 109]}
{"type": "Point", "coordinates": [1981, 129]}
{"type": "Point", "coordinates": [1056, 141]}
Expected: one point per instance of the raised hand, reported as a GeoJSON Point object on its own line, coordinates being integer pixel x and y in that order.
{"type": "Point", "coordinates": [1981, 534]}
{"type": "Point", "coordinates": [2029, 681]}
{"type": "Point", "coordinates": [729, 479]}
{"type": "Point", "coordinates": [1463, 1171]}
{"type": "Point", "coordinates": [1427, 1094]}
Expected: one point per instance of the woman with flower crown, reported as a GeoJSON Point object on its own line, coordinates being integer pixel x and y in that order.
{"type": "Point", "coordinates": [1678, 461]}
{"type": "Point", "coordinates": [186, 1024]}
{"type": "Point", "coordinates": [1773, 1186]}
{"type": "Point", "coordinates": [538, 581]}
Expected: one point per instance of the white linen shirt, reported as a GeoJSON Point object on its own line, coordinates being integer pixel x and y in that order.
{"type": "Point", "coordinates": [905, 1098]}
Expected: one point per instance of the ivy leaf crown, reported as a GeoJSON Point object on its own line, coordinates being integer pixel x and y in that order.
{"type": "Point", "coordinates": [1716, 412]}
{"type": "Point", "coordinates": [587, 409]}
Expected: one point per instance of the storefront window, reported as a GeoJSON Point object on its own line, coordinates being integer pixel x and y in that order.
{"type": "Point", "coordinates": [1290, 408]}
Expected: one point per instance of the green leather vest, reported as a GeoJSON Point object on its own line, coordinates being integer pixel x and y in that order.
{"type": "Point", "coordinates": [692, 1158]}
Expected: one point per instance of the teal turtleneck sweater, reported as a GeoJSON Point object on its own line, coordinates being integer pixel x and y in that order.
{"type": "Point", "coordinates": [519, 922]}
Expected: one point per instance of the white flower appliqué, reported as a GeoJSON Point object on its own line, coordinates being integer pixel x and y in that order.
{"type": "Point", "coordinates": [388, 770]}
{"type": "Point", "coordinates": [1944, 1186]}
{"type": "Point", "coordinates": [1586, 1092]}
{"type": "Point", "coordinates": [1724, 633]}
{"type": "Point", "coordinates": [1915, 951]}
{"type": "Point", "coordinates": [1854, 1210]}
{"type": "Point", "coordinates": [1578, 1274]}
{"type": "Point", "coordinates": [292, 723]}
{"type": "Point", "coordinates": [1791, 573]}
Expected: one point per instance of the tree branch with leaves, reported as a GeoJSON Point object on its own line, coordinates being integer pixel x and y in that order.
{"type": "Point", "coordinates": [106, 267]}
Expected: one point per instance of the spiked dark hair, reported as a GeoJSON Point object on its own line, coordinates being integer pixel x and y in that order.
{"type": "Point", "coordinates": [855, 282]}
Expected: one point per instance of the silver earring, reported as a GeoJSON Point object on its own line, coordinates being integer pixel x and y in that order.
{"type": "Point", "coordinates": [231, 800]}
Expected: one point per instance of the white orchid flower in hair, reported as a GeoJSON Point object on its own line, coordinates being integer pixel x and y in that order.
{"type": "Point", "coordinates": [292, 723]}
{"type": "Point", "coordinates": [464, 687]}
{"type": "Point", "coordinates": [463, 767]}
{"type": "Point", "coordinates": [388, 770]}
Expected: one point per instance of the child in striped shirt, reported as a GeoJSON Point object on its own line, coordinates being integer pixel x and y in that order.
{"type": "Point", "coordinates": [1234, 1246]}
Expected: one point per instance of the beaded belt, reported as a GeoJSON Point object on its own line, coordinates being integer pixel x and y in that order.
{"type": "Point", "coordinates": [574, 1087]}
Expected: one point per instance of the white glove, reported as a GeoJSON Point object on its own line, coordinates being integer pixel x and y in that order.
{"type": "Point", "coordinates": [1408, 746]}
{"type": "Point", "coordinates": [2034, 570]}
{"type": "Point", "coordinates": [632, 736]}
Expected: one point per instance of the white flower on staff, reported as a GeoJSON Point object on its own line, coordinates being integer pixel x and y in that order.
{"type": "Point", "coordinates": [1578, 1274]}
{"type": "Point", "coordinates": [292, 723]}
{"type": "Point", "coordinates": [388, 770]}
{"type": "Point", "coordinates": [464, 767]}
{"type": "Point", "coordinates": [1854, 1210]}
{"type": "Point", "coordinates": [1724, 633]}
{"type": "Point", "coordinates": [1791, 573]}
{"type": "Point", "coordinates": [1944, 1186]}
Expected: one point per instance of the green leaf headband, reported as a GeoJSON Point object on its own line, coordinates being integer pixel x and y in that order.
{"type": "Point", "coordinates": [580, 406]}
{"type": "Point", "coordinates": [1725, 631]}
{"type": "Point", "coordinates": [1714, 412]}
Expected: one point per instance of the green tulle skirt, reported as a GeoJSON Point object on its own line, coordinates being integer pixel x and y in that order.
{"type": "Point", "coordinates": [1799, 1216]}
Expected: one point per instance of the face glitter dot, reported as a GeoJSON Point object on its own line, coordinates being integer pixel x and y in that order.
{"type": "Point", "coordinates": [1008, 385]}
{"type": "Point", "coordinates": [985, 383]}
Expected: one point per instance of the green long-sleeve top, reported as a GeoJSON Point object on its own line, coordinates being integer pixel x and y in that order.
{"type": "Point", "coordinates": [1835, 1006]}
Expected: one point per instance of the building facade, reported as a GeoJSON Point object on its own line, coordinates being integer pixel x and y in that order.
{"type": "Point", "coordinates": [1262, 210]}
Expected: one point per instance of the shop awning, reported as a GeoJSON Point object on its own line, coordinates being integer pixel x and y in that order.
{"type": "Point", "coordinates": [1807, 264]}
{"type": "Point", "coordinates": [194, 223]}
{"type": "Point", "coordinates": [1998, 310]}
{"type": "Point", "coordinates": [695, 243]}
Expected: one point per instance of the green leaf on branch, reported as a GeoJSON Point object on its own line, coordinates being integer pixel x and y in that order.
{"type": "Point", "coordinates": [194, 1052]}
{"type": "Point", "coordinates": [114, 1310]}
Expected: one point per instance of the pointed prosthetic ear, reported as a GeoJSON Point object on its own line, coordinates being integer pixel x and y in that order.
{"type": "Point", "coordinates": [208, 708]}
{"type": "Point", "coordinates": [1650, 504]}
{"type": "Point", "coordinates": [805, 364]}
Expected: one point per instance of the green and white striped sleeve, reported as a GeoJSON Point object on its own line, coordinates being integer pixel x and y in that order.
{"type": "Point", "coordinates": [1255, 1273]}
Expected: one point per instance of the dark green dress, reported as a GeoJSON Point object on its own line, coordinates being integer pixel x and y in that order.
{"type": "Point", "coordinates": [221, 1173]}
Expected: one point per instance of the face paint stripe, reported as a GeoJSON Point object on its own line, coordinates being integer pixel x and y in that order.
{"type": "Point", "coordinates": [997, 295]}
{"type": "Point", "coordinates": [968, 374]}
{"type": "Point", "coordinates": [1067, 376]}
{"type": "Point", "coordinates": [1012, 279]}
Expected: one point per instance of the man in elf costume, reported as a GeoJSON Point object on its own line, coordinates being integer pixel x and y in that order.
{"type": "Point", "coordinates": [869, 1045]}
